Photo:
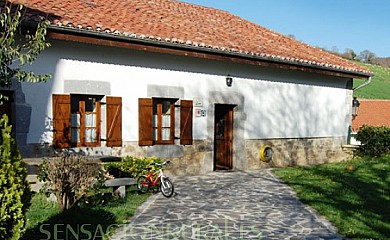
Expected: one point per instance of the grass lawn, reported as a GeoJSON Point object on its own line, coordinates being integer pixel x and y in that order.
{"type": "Point", "coordinates": [379, 88]}
{"type": "Point", "coordinates": [95, 218]}
{"type": "Point", "coordinates": [354, 195]}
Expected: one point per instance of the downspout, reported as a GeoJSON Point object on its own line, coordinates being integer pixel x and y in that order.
{"type": "Point", "coordinates": [353, 89]}
{"type": "Point", "coordinates": [363, 85]}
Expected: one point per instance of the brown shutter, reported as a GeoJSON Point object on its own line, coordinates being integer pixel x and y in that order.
{"type": "Point", "coordinates": [114, 121]}
{"type": "Point", "coordinates": [186, 122]}
{"type": "Point", "coordinates": [61, 121]}
{"type": "Point", "coordinates": [145, 115]}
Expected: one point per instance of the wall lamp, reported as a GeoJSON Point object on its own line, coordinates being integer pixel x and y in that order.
{"type": "Point", "coordinates": [229, 80]}
{"type": "Point", "coordinates": [355, 106]}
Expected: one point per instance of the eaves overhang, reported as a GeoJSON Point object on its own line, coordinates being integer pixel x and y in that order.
{"type": "Point", "coordinates": [175, 47]}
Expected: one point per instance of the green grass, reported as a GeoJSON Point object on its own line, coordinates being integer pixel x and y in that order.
{"type": "Point", "coordinates": [354, 195]}
{"type": "Point", "coordinates": [379, 88]}
{"type": "Point", "coordinates": [95, 218]}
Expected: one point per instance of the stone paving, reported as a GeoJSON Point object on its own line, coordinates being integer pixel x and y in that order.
{"type": "Point", "coordinates": [227, 205]}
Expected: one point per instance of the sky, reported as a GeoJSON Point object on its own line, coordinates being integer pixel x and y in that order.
{"type": "Point", "coordinates": [331, 24]}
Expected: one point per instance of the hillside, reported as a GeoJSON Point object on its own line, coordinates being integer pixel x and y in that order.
{"type": "Point", "coordinates": [380, 85]}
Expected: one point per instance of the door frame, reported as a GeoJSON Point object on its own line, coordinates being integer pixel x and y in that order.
{"type": "Point", "coordinates": [224, 112]}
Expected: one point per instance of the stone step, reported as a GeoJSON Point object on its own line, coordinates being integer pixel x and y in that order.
{"type": "Point", "coordinates": [32, 178]}
{"type": "Point", "coordinates": [36, 187]}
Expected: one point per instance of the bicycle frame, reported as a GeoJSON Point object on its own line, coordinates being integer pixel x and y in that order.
{"type": "Point", "coordinates": [151, 180]}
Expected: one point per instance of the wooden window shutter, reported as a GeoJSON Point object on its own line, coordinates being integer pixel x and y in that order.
{"type": "Point", "coordinates": [61, 121]}
{"type": "Point", "coordinates": [114, 121]}
{"type": "Point", "coordinates": [186, 122]}
{"type": "Point", "coordinates": [145, 116]}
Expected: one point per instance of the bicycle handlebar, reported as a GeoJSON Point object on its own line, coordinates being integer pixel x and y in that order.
{"type": "Point", "coordinates": [162, 164]}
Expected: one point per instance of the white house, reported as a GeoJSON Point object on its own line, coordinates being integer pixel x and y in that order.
{"type": "Point", "coordinates": [149, 78]}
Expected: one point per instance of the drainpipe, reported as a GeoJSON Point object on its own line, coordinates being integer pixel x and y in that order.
{"type": "Point", "coordinates": [363, 85]}
{"type": "Point", "coordinates": [353, 89]}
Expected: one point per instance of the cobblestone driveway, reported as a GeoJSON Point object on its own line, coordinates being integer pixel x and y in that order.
{"type": "Point", "coordinates": [227, 205]}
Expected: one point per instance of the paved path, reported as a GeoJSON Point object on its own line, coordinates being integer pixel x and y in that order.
{"type": "Point", "coordinates": [227, 205]}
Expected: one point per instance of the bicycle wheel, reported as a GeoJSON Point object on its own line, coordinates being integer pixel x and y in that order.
{"type": "Point", "coordinates": [166, 187]}
{"type": "Point", "coordinates": [142, 184]}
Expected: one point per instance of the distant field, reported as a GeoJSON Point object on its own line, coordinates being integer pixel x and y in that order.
{"type": "Point", "coordinates": [380, 85]}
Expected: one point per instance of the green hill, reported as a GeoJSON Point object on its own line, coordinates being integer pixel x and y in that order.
{"type": "Point", "coordinates": [379, 88]}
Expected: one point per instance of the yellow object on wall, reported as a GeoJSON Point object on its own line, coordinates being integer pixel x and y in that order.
{"type": "Point", "coordinates": [266, 153]}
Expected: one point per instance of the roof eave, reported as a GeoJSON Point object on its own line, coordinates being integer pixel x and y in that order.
{"type": "Point", "coordinates": [247, 57]}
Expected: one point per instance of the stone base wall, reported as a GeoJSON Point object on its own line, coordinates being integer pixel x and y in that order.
{"type": "Point", "coordinates": [198, 158]}
{"type": "Point", "coordinates": [193, 159]}
{"type": "Point", "coordinates": [296, 152]}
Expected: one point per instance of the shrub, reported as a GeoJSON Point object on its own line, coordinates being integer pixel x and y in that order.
{"type": "Point", "coordinates": [132, 166]}
{"type": "Point", "coordinates": [140, 166]}
{"type": "Point", "coordinates": [375, 141]}
{"type": "Point", "coordinates": [70, 177]}
{"type": "Point", "coordinates": [15, 192]}
{"type": "Point", "coordinates": [114, 169]}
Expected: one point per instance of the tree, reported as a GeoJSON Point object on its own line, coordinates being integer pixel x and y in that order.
{"type": "Point", "coordinates": [335, 50]}
{"type": "Point", "coordinates": [15, 192]}
{"type": "Point", "coordinates": [367, 56]}
{"type": "Point", "coordinates": [349, 54]}
{"type": "Point", "coordinates": [70, 178]}
{"type": "Point", "coordinates": [19, 47]}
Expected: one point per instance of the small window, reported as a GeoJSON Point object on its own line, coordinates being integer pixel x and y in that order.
{"type": "Point", "coordinates": [163, 122]}
{"type": "Point", "coordinates": [157, 121]}
{"type": "Point", "coordinates": [76, 120]}
{"type": "Point", "coordinates": [85, 120]}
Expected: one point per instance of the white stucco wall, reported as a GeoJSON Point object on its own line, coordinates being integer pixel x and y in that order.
{"type": "Point", "coordinates": [277, 103]}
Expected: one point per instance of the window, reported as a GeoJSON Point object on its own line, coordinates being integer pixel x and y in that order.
{"type": "Point", "coordinates": [76, 120]}
{"type": "Point", "coordinates": [157, 121]}
{"type": "Point", "coordinates": [163, 122]}
{"type": "Point", "coordinates": [85, 120]}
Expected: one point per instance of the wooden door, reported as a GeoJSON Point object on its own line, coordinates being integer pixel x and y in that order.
{"type": "Point", "coordinates": [223, 137]}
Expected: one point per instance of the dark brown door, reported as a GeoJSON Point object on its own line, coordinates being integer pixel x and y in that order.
{"type": "Point", "coordinates": [223, 136]}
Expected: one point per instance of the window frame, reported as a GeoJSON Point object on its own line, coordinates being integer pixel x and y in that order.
{"type": "Point", "coordinates": [158, 105]}
{"type": "Point", "coordinates": [82, 110]}
{"type": "Point", "coordinates": [182, 126]}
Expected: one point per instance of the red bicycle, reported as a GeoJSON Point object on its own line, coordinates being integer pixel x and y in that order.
{"type": "Point", "coordinates": [155, 184]}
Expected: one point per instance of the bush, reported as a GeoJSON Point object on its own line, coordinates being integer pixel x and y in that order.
{"type": "Point", "coordinates": [114, 169]}
{"type": "Point", "coordinates": [15, 192]}
{"type": "Point", "coordinates": [375, 141]}
{"type": "Point", "coordinates": [132, 166]}
{"type": "Point", "coordinates": [70, 177]}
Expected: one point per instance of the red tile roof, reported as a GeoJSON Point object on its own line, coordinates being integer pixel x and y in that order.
{"type": "Point", "coordinates": [189, 25]}
{"type": "Point", "coordinates": [372, 112]}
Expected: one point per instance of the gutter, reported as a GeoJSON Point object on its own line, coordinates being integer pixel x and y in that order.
{"type": "Point", "coordinates": [204, 49]}
{"type": "Point", "coordinates": [363, 85]}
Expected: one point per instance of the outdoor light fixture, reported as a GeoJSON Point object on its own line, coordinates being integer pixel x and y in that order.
{"type": "Point", "coordinates": [229, 80]}
{"type": "Point", "coordinates": [355, 107]}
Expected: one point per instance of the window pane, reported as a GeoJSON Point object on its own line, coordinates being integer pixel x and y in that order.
{"type": "Point", "coordinates": [90, 120]}
{"type": "Point", "coordinates": [75, 135]}
{"type": "Point", "coordinates": [166, 134]}
{"type": "Point", "coordinates": [90, 104]}
{"type": "Point", "coordinates": [166, 121]}
{"type": "Point", "coordinates": [155, 134]}
{"type": "Point", "coordinates": [155, 107]}
{"type": "Point", "coordinates": [154, 121]}
{"type": "Point", "coordinates": [90, 135]}
{"type": "Point", "coordinates": [166, 107]}
{"type": "Point", "coordinates": [75, 121]}
{"type": "Point", "coordinates": [75, 104]}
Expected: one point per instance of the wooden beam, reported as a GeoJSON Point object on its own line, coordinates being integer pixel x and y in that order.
{"type": "Point", "coordinates": [196, 53]}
